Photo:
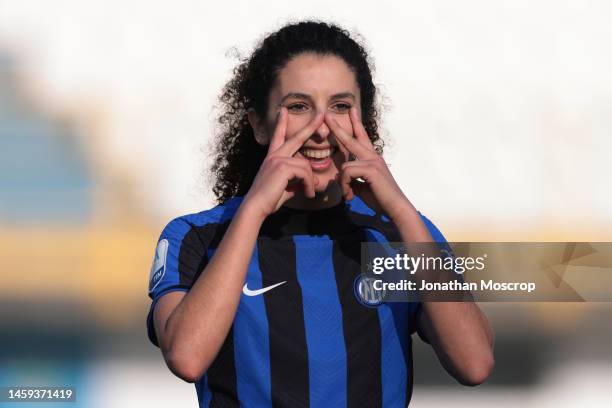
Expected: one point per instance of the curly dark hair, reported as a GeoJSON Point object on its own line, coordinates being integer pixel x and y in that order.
{"type": "Point", "coordinates": [236, 154]}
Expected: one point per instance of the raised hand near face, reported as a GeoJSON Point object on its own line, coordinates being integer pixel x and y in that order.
{"type": "Point", "coordinates": [368, 176]}
{"type": "Point", "coordinates": [282, 174]}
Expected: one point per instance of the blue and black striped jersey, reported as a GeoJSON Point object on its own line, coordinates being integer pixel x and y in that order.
{"type": "Point", "coordinates": [306, 341]}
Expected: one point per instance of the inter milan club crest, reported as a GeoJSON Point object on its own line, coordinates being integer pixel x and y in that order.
{"type": "Point", "coordinates": [365, 292]}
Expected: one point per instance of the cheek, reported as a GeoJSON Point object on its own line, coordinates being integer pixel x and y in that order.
{"type": "Point", "coordinates": [296, 122]}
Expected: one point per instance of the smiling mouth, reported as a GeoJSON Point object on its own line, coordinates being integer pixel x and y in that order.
{"type": "Point", "coordinates": [317, 154]}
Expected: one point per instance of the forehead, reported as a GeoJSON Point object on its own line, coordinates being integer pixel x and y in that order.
{"type": "Point", "coordinates": [316, 74]}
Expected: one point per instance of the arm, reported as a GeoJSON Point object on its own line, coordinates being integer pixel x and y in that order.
{"type": "Point", "coordinates": [459, 332]}
{"type": "Point", "coordinates": [191, 327]}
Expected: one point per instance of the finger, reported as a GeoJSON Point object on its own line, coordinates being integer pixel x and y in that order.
{"type": "Point", "coordinates": [351, 144]}
{"type": "Point", "coordinates": [361, 169]}
{"type": "Point", "coordinates": [358, 129]}
{"type": "Point", "coordinates": [353, 173]}
{"type": "Point", "coordinates": [291, 146]}
{"type": "Point", "coordinates": [345, 185]}
{"type": "Point", "coordinates": [361, 165]}
{"type": "Point", "coordinates": [305, 176]}
{"type": "Point", "coordinates": [309, 180]}
{"type": "Point", "coordinates": [343, 149]}
{"type": "Point", "coordinates": [304, 163]}
{"type": "Point", "coordinates": [280, 131]}
{"type": "Point", "coordinates": [349, 173]}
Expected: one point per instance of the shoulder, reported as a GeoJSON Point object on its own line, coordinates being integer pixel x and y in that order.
{"type": "Point", "coordinates": [209, 219]}
{"type": "Point", "coordinates": [366, 217]}
{"type": "Point", "coordinates": [189, 236]}
{"type": "Point", "coordinates": [182, 247]}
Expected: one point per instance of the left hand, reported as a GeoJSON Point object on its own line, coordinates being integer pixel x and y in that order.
{"type": "Point", "coordinates": [378, 189]}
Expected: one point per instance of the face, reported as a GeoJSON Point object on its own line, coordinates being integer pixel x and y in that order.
{"type": "Point", "coordinates": [309, 84]}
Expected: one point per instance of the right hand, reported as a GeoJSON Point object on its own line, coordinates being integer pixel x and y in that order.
{"type": "Point", "coordinates": [281, 175]}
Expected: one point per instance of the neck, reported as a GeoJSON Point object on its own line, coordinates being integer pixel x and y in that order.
{"type": "Point", "coordinates": [328, 198]}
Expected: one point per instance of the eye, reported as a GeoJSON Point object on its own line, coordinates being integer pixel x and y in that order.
{"type": "Point", "coordinates": [297, 107]}
{"type": "Point", "coordinates": [342, 107]}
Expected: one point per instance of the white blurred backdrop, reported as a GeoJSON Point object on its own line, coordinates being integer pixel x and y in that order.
{"type": "Point", "coordinates": [499, 111]}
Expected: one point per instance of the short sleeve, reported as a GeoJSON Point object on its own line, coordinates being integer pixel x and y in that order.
{"type": "Point", "coordinates": [179, 257]}
{"type": "Point", "coordinates": [435, 233]}
{"type": "Point", "coordinates": [437, 236]}
{"type": "Point", "coordinates": [387, 232]}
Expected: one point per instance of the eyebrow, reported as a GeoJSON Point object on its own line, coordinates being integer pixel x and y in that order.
{"type": "Point", "coordinates": [300, 95]}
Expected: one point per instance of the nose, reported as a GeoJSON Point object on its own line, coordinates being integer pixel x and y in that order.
{"type": "Point", "coordinates": [322, 132]}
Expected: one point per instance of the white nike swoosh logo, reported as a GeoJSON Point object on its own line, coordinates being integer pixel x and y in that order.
{"type": "Point", "coordinates": [250, 292]}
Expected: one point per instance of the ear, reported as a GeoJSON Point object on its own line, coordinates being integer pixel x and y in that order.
{"type": "Point", "coordinates": [258, 129]}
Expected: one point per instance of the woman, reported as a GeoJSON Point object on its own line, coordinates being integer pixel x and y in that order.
{"type": "Point", "coordinates": [254, 300]}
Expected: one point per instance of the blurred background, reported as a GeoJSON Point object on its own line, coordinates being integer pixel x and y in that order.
{"type": "Point", "coordinates": [499, 120]}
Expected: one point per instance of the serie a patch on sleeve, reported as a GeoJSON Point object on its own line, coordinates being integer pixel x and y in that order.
{"type": "Point", "coordinates": [158, 269]}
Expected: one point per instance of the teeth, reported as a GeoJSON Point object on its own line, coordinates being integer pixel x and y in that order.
{"type": "Point", "coordinates": [316, 153]}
